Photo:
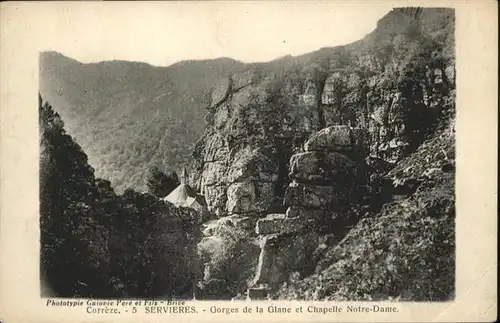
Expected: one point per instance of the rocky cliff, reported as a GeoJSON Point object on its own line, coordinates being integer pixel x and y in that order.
{"type": "Point", "coordinates": [304, 147]}
{"type": "Point", "coordinates": [397, 84]}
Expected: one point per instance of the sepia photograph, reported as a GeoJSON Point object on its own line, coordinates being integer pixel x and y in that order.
{"type": "Point", "coordinates": [323, 175]}
{"type": "Point", "coordinates": [249, 161]}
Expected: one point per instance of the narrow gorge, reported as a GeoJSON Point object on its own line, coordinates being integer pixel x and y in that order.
{"type": "Point", "coordinates": [324, 176]}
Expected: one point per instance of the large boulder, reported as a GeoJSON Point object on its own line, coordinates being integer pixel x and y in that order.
{"type": "Point", "coordinates": [334, 138]}
{"type": "Point", "coordinates": [249, 197]}
{"type": "Point", "coordinates": [242, 181]}
{"type": "Point", "coordinates": [283, 254]}
{"type": "Point", "coordinates": [321, 167]}
{"type": "Point", "coordinates": [252, 164]}
{"type": "Point", "coordinates": [208, 246]}
{"type": "Point", "coordinates": [230, 255]}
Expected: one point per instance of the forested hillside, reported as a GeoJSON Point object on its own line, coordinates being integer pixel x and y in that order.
{"type": "Point", "coordinates": [131, 116]}
{"type": "Point", "coordinates": [95, 243]}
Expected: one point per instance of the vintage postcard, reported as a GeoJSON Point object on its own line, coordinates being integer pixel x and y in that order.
{"type": "Point", "coordinates": [282, 161]}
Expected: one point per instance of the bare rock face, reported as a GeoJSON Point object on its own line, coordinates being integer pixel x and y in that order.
{"type": "Point", "coordinates": [351, 142]}
{"type": "Point", "coordinates": [321, 167]}
{"type": "Point", "coordinates": [324, 178]}
{"type": "Point", "coordinates": [281, 255]}
{"type": "Point", "coordinates": [338, 108]}
{"type": "Point", "coordinates": [253, 127]}
{"type": "Point", "coordinates": [229, 255]}
{"type": "Point", "coordinates": [324, 182]}
{"type": "Point", "coordinates": [252, 165]}
{"type": "Point", "coordinates": [249, 197]}
{"type": "Point", "coordinates": [334, 84]}
{"type": "Point", "coordinates": [335, 138]}
{"type": "Point", "coordinates": [214, 173]}
{"type": "Point", "coordinates": [297, 132]}
{"type": "Point", "coordinates": [220, 92]}
{"type": "Point", "coordinates": [216, 199]}
{"type": "Point", "coordinates": [242, 182]}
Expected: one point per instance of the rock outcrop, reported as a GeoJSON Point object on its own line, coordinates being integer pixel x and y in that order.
{"type": "Point", "coordinates": [395, 86]}
{"type": "Point", "coordinates": [324, 185]}
{"type": "Point", "coordinates": [405, 251]}
{"type": "Point", "coordinates": [298, 143]}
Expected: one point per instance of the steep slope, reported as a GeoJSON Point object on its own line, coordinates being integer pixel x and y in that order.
{"type": "Point", "coordinates": [397, 84]}
{"type": "Point", "coordinates": [405, 251]}
{"type": "Point", "coordinates": [130, 116]}
{"type": "Point", "coordinates": [332, 172]}
{"type": "Point", "coordinates": [322, 160]}
{"type": "Point", "coordinates": [97, 244]}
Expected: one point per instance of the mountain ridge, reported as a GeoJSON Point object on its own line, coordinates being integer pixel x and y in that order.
{"type": "Point", "coordinates": [107, 104]}
{"type": "Point", "coordinates": [112, 108]}
{"type": "Point", "coordinates": [331, 174]}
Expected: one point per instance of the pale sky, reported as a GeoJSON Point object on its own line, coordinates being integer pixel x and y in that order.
{"type": "Point", "coordinates": [164, 33]}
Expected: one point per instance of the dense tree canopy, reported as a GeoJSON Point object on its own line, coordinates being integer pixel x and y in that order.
{"type": "Point", "coordinates": [161, 184]}
{"type": "Point", "coordinates": [95, 243]}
